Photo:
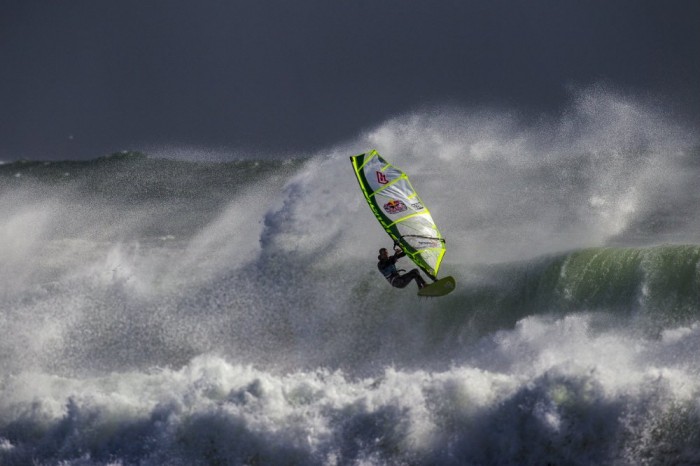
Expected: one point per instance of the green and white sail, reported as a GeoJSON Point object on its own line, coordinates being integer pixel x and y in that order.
{"type": "Point", "coordinates": [400, 211]}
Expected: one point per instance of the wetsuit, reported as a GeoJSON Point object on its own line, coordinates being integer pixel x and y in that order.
{"type": "Point", "coordinates": [388, 268]}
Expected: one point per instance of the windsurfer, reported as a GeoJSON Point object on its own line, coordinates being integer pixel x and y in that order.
{"type": "Point", "coordinates": [387, 266]}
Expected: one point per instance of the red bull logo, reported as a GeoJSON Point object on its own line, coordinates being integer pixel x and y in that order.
{"type": "Point", "coordinates": [394, 206]}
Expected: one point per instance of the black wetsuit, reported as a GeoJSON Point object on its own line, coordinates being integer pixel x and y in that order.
{"type": "Point", "coordinates": [388, 268]}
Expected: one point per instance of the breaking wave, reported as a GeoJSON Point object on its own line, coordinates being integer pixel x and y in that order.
{"type": "Point", "coordinates": [162, 311]}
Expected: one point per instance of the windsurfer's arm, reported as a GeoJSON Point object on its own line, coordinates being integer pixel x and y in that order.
{"type": "Point", "coordinates": [398, 253]}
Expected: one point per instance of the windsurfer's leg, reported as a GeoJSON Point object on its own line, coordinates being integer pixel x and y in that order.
{"type": "Point", "coordinates": [401, 281]}
{"type": "Point", "coordinates": [415, 275]}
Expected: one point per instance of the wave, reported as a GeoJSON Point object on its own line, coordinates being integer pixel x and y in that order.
{"type": "Point", "coordinates": [657, 286]}
{"type": "Point", "coordinates": [138, 262]}
{"type": "Point", "coordinates": [181, 195]}
{"type": "Point", "coordinates": [610, 403]}
{"type": "Point", "coordinates": [158, 311]}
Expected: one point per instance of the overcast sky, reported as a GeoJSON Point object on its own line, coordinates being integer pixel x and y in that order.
{"type": "Point", "coordinates": [84, 78]}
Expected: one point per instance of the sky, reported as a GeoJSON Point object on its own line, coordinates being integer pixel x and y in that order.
{"type": "Point", "coordinates": [81, 79]}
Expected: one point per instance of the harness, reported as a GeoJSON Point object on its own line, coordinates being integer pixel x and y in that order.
{"type": "Point", "coordinates": [390, 272]}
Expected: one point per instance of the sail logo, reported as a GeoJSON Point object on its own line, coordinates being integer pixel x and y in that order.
{"type": "Point", "coordinates": [428, 243]}
{"type": "Point", "coordinates": [381, 178]}
{"type": "Point", "coordinates": [394, 207]}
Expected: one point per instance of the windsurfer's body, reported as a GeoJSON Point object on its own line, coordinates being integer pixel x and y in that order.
{"type": "Point", "coordinates": [387, 266]}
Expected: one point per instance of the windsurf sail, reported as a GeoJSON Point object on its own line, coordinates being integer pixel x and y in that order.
{"type": "Point", "coordinates": [400, 211]}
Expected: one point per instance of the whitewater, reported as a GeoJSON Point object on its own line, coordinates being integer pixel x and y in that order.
{"type": "Point", "coordinates": [162, 309]}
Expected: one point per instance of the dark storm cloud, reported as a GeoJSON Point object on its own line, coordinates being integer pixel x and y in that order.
{"type": "Point", "coordinates": [84, 78]}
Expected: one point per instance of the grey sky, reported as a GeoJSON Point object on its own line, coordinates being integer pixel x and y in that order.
{"type": "Point", "coordinates": [84, 78]}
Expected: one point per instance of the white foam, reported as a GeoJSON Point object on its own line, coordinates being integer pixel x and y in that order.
{"type": "Point", "coordinates": [562, 380]}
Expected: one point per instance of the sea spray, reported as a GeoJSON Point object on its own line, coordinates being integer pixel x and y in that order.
{"type": "Point", "coordinates": [159, 311]}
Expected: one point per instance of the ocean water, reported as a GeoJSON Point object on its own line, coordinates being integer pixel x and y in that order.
{"type": "Point", "coordinates": [158, 310]}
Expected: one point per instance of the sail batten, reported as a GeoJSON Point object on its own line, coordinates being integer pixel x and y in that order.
{"type": "Point", "coordinates": [400, 211]}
